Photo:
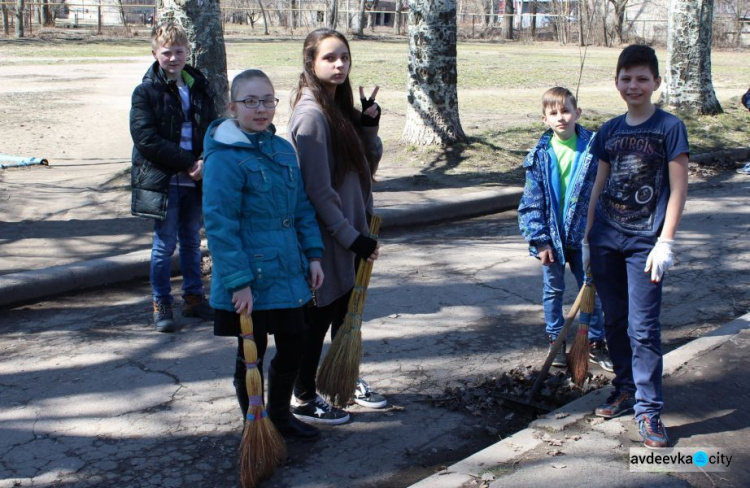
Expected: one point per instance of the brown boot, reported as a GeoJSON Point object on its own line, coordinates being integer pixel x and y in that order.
{"type": "Point", "coordinates": [197, 306]}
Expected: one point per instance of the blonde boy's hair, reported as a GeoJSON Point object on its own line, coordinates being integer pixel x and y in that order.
{"type": "Point", "coordinates": [168, 33]}
{"type": "Point", "coordinates": [555, 97]}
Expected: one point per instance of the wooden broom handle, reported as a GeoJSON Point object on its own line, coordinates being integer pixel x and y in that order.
{"type": "Point", "coordinates": [556, 345]}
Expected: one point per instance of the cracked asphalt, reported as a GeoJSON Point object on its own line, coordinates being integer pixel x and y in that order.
{"type": "Point", "coordinates": [91, 395]}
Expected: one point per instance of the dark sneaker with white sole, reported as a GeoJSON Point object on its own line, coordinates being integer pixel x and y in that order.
{"type": "Point", "coordinates": [365, 397]}
{"type": "Point", "coordinates": [653, 432]}
{"type": "Point", "coordinates": [617, 404]}
{"type": "Point", "coordinates": [318, 411]}
{"type": "Point", "coordinates": [599, 354]}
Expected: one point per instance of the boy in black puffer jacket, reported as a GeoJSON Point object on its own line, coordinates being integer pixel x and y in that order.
{"type": "Point", "coordinates": [170, 112]}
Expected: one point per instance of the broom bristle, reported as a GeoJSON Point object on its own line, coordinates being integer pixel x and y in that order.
{"type": "Point", "coordinates": [578, 357]}
{"type": "Point", "coordinates": [339, 371]}
{"type": "Point", "coordinates": [261, 450]}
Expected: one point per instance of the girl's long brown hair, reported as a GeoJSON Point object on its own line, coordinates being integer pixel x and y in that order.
{"type": "Point", "coordinates": [339, 111]}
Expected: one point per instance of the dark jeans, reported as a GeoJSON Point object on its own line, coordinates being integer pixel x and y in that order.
{"type": "Point", "coordinates": [318, 321]}
{"type": "Point", "coordinates": [631, 305]}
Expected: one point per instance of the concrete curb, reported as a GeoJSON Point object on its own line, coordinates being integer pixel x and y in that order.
{"type": "Point", "coordinates": [462, 206]}
{"type": "Point", "coordinates": [513, 447]}
{"type": "Point", "coordinates": [24, 287]}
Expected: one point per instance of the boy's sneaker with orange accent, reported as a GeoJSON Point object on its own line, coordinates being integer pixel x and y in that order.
{"type": "Point", "coordinates": [197, 306]}
{"type": "Point", "coordinates": [653, 432]}
{"type": "Point", "coordinates": [163, 318]}
{"type": "Point", "coordinates": [617, 404]}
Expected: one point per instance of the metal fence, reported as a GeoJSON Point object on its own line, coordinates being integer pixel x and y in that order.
{"type": "Point", "coordinates": [98, 15]}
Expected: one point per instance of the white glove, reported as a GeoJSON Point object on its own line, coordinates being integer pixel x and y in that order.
{"type": "Point", "coordinates": [586, 255]}
{"type": "Point", "coordinates": [659, 259]}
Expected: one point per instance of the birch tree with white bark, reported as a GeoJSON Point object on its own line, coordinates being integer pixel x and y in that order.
{"type": "Point", "coordinates": [202, 22]}
{"type": "Point", "coordinates": [432, 91]}
{"type": "Point", "coordinates": [688, 86]}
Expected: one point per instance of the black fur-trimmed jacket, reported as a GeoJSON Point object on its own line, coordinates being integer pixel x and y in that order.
{"type": "Point", "coordinates": [156, 119]}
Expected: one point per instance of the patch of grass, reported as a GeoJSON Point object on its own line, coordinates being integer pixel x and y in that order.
{"type": "Point", "coordinates": [500, 87]}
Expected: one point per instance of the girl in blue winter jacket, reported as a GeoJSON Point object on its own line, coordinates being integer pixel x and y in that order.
{"type": "Point", "coordinates": [264, 241]}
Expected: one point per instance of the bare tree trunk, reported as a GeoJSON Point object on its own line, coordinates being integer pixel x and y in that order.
{"type": "Point", "coordinates": [265, 17]}
{"type": "Point", "coordinates": [397, 19]}
{"type": "Point", "coordinates": [534, 10]}
{"type": "Point", "coordinates": [508, 20]}
{"type": "Point", "coordinates": [47, 19]}
{"type": "Point", "coordinates": [688, 84]}
{"type": "Point", "coordinates": [432, 95]}
{"type": "Point", "coordinates": [6, 23]}
{"type": "Point", "coordinates": [123, 18]}
{"type": "Point", "coordinates": [19, 19]}
{"type": "Point", "coordinates": [582, 14]}
{"type": "Point", "coordinates": [202, 21]}
{"type": "Point", "coordinates": [372, 17]}
{"type": "Point", "coordinates": [361, 22]}
{"type": "Point", "coordinates": [293, 13]}
{"type": "Point", "coordinates": [620, 6]}
{"type": "Point", "coordinates": [333, 14]}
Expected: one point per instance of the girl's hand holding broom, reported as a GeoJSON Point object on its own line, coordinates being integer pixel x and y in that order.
{"type": "Point", "coordinates": [262, 447]}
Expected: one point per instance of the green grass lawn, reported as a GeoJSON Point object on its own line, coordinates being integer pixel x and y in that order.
{"type": "Point", "coordinates": [500, 87]}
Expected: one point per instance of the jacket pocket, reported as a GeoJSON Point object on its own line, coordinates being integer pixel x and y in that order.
{"type": "Point", "coordinates": [258, 178]}
{"type": "Point", "coordinates": [266, 267]}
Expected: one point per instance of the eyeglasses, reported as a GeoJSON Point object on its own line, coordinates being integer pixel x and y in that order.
{"type": "Point", "coordinates": [255, 102]}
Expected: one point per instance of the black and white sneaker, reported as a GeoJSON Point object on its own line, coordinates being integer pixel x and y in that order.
{"type": "Point", "coordinates": [365, 397]}
{"type": "Point", "coordinates": [318, 411]}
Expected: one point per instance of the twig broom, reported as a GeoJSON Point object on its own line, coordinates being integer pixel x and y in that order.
{"type": "Point", "coordinates": [262, 447]}
{"type": "Point", "coordinates": [578, 358]}
{"type": "Point", "coordinates": [556, 346]}
{"type": "Point", "coordinates": [337, 375]}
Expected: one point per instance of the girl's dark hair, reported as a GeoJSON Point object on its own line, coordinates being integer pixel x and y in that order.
{"type": "Point", "coordinates": [343, 119]}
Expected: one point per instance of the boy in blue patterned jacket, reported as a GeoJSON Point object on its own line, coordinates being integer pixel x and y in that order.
{"type": "Point", "coordinates": [560, 173]}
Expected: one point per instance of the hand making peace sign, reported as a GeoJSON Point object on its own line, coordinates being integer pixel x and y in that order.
{"type": "Point", "coordinates": [370, 109]}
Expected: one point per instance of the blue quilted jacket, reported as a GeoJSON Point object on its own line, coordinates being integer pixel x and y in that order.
{"type": "Point", "coordinates": [260, 225]}
{"type": "Point", "coordinates": [540, 219]}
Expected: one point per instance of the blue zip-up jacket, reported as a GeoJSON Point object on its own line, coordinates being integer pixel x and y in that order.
{"type": "Point", "coordinates": [540, 219]}
{"type": "Point", "coordinates": [260, 225]}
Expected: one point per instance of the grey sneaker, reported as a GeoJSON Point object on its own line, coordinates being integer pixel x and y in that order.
{"type": "Point", "coordinates": [599, 354]}
{"type": "Point", "coordinates": [318, 411]}
{"type": "Point", "coordinates": [561, 359]}
{"type": "Point", "coordinates": [365, 397]}
{"type": "Point", "coordinates": [163, 318]}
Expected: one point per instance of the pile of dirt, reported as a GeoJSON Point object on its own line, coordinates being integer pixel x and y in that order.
{"type": "Point", "coordinates": [501, 404]}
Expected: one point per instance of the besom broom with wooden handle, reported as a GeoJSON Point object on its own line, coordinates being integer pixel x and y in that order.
{"type": "Point", "coordinates": [578, 358]}
{"type": "Point", "coordinates": [262, 448]}
{"type": "Point", "coordinates": [337, 375]}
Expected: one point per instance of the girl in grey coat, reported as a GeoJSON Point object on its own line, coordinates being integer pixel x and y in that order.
{"type": "Point", "coordinates": [338, 149]}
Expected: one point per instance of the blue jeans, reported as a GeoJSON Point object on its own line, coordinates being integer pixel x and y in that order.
{"type": "Point", "coordinates": [552, 297]}
{"type": "Point", "coordinates": [631, 308]}
{"type": "Point", "coordinates": [183, 223]}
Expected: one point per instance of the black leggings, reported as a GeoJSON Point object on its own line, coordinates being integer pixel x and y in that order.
{"type": "Point", "coordinates": [318, 321]}
{"type": "Point", "coordinates": [289, 346]}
